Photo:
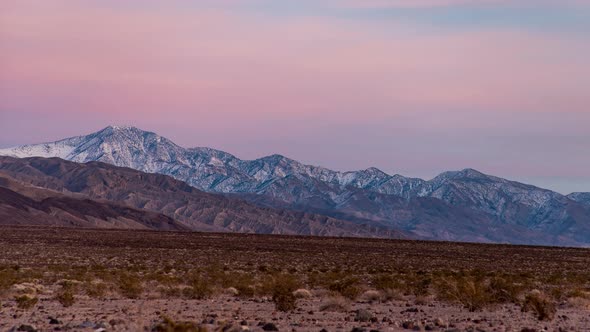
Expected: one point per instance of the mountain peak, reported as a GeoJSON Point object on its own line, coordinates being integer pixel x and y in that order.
{"type": "Point", "coordinates": [375, 171]}
{"type": "Point", "coordinates": [118, 129]}
{"type": "Point", "coordinates": [472, 173]}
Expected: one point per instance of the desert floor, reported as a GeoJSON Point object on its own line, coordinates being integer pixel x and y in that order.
{"type": "Point", "coordinates": [55, 279]}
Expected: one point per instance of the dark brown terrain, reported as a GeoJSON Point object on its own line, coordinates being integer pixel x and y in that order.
{"type": "Point", "coordinates": [179, 281]}
{"type": "Point", "coordinates": [191, 208]}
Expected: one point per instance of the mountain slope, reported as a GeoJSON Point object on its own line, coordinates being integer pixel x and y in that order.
{"type": "Point", "coordinates": [195, 209]}
{"type": "Point", "coordinates": [55, 209]}
{"type": "Point", "coordinates": [471, 205]}
{"type": "Point", "coordinates": [583, 198]}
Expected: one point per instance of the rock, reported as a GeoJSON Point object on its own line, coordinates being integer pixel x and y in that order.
{"type": "Point", "coordinates": [54, 321]}
{"type": "Point", "coordinates": [408, 325]}
{"type": "Point", "coordinates": [231, 328]}
{"type": "Point", "coordinates": [269, 327]}
{"type": "Point", "coordinates": [27, 328]}
{"type": "Point", "coordinates": [363, 315]}
{"type": "Point", "coordinates": [86, 324]}
{"type": "Point", "coordinates": [440, 322]}
{"type": "Point", "coordinates": [100, 325]}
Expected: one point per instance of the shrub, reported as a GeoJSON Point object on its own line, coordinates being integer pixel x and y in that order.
{"type": "Point", "coordinates": [363, 315]}
{"type": "Point", "coordinates": [282, 294]}
{"type": "Point", "coordinates": [231, 291]}
{"type": "Point", "coordinates": [337, 304]}
{"type": "Point", "coordinates": [471, 292]}
{"type": "Point", "coordinates": [371, 296]}
{"type": "Point", "coordinates": [391, 294]}
{"type": "Point", "coordinates": [8, 277]}
{"type": "Point", "coordinates": [26, 302]}
{"type": "Point", "coordinates": [244, 284]}
{"type": "Point", "coordinates": [95, 289]}
{"type": "Point", "coordinates": [540, 304]}
{"type": "Point", "coordinates": [245, 291]}
{"type": "Point", "coordinates": [419, 285]}
{"type": "Point", "coordinates": [198, 288]}
{"type": "Point", "coordinates": [503, 290]}
{"type": "Point", "coordinates": [130, 286]}
{"type": "Point", "coordinates": [302, 293]}
{"type": "Point", "coordinates": [386, 282]}
{"type": "Point", "coordinates": [347, 287]}
{"type": "Point", "coordinates": [65, 295]}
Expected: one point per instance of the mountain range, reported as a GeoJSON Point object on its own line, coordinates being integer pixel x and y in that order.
{"type": "Point", "coordinates": [140, 196]}
{"type": "Point", "coordinates": [462, 205]}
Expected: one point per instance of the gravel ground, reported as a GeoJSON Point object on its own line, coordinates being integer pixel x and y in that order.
{"type": "Point", "coordinates": [224, 311]}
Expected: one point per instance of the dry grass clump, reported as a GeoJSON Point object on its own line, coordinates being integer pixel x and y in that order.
{"type": "Point", "coordinates": [472, 293]}
{"type": "Point", "coordinates": [95, 289]}
{"type": "Point", "coordinates": [302, 293]}
{"type": "Point", "coordinates": [65, 294]}
{"type": "Point", "coordinates": [418, 284]}
{"type": "Point", "coordinates": [26, 302]}
{"type": "Point", "coordinates": [579, 302]}
{"type": "Point", "coordinates": [385, 282]}
{"type": "Point", "coordinates": [129, 285]}
{"type": "Point", "coordinates": [335, 304]}
{"type": "Point", "coordinates": [198, 288]}
{"type": "Point", "coordinates": [371, 296]}
{"type": "Point", "coordinates": [8, 277]}
{"type": "Point", "coordinates": [244, 284]}
{"type": "Point", "coordinates": [348, 287]}
{"type": "Point", "coordinates": [540, 304]}
{"type": "Point", "coordinates": [476, 291]}
{"type": "Point", "coordinates": [391, 295]}
{"type": "Point", "coordinates": [506, 289]}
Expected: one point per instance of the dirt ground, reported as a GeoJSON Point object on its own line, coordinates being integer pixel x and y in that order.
{"type": "Point", "coordinates": [252, 315]}
{"type": "Point", "coordinates": [50, 278]}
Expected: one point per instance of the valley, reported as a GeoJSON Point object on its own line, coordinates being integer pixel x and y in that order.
{"type": "Point", "coordinates": [121, 280]}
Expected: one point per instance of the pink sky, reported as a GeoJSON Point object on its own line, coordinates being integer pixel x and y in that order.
{"type": "Point", "coordinates": [347, 91]}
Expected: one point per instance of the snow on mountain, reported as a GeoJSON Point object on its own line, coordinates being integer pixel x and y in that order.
{"type": "Point", "coordinates": [583, 198]}
{"type": "Point", "coordinates": [303, 186]}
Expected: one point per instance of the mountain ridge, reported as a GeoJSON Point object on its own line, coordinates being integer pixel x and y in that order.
{"type": "Point", "coordinates": [276, 180]}
{"type": "Point", "coordinates": [192, 208]}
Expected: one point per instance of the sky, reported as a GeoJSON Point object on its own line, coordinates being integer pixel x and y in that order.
{"type": "Point", "coordinates": [413, 87]}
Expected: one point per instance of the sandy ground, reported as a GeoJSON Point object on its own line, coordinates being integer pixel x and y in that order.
{"type": "Point", "coordinates": [252, 315]}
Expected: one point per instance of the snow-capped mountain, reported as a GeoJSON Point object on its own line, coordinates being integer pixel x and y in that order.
{"type": "Point", "coordinates": [367, 194]}
{"type": "Point", "coordinates": [204, 168]}
{"type": "Point", "coordinates": [583, 198]}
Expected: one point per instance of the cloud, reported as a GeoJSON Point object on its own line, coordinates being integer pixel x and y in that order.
{"type": "Point", "coordinates": [203, 57]}
{"type": "Point", "coordinates": [383, 4]}
{"type": "Point", "coordinates": [243, 76]}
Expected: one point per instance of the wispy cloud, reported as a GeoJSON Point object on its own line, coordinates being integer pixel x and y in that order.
{"type": "Point", "coordinates": [250, 72]}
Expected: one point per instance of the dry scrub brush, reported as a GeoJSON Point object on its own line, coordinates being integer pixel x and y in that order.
{"type": "Point", "coordinates": [65, 294]}
{"type": "Point", "coordinates": [540, 304]}
{"type": "Point", "coordinates": [284, 287]}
